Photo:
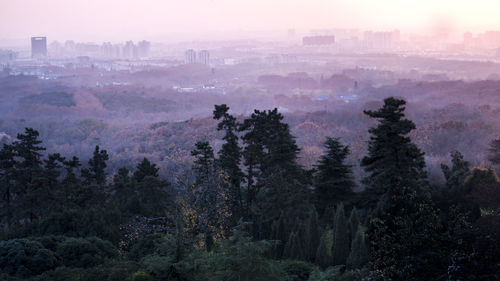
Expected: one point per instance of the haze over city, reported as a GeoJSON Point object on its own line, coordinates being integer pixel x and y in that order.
{"type": "Point", "coordinates": [159, 20]}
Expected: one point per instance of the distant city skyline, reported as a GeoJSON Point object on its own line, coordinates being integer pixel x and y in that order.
{"type": "Point", "coordinates": [156, 20]}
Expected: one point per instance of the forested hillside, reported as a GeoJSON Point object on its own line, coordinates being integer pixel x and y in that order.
{"type": "Point", "coordinates": [255, 207]}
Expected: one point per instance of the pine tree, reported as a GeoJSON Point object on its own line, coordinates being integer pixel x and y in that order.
{"type": "Point", "coordinates": [145, 169]}
{"type": "Point", "coordinates": [71, 190]}
{"type": "Point", "coordinates": [340, 247]}
{"type": "Point", "coordinates": [280, 181]}
{"type": "Point", "coordinates": [358, 256]}
{"type": "Point", "coordinates": [230, 158]}
{"type": "Point", "coordinates": [51, 174]}
{"type": "Point", "coordinates": [204, 163]}
{"type": "Point", "coordinates": [29, 172]}
{"type": "Point", "coordinates": [208, 195]}
{"type": "Point", "coordinates": [460, 169]}
{"type": "Point", "coordinates": [7, 184]}
{"type": "Point", "coordinates": [96, 174]}
{"type": "Point", "coordinates": [333, 181]}
{"type": "Point", "coordinates": [392, 160]}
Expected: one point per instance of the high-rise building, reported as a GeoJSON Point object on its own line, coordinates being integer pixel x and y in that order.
{"type": "Point", "coordinates": [204, 57]}
{"type": "Point", "coordinates": [143, 48]}
{"type": "Point", "coordinates": [38, 47]}
{"type": "Point", "coordinates": [128, 50]}
{"type": "Point", "coordinates": [190, 56]}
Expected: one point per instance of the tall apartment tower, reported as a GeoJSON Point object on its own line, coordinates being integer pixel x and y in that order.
{"type": "Point", "coordinates": [38, 47]}
{"type": "Point", "coordinates": [190, 56]}
{"type": "Point", "coordinates": [204, 57]}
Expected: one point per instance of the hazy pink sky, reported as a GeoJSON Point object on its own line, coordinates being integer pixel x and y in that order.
{"type": "Point", "coordinates": [117, 20]}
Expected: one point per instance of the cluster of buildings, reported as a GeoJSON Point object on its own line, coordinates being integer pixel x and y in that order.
{"type": "Point", "coordinates": [488, 39]}
{"type": "Point", "coordinates": [107, 50]}
{"type": "Point", "coordinates": [202, 57]}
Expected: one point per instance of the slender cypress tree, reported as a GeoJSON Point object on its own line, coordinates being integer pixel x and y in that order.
{"type": "Point", "coordinates": [358, 256]}
{"type": "Point", "coordinates": [313, 235]}
{"type": "Point", "coordinates": [324, 253]}
{"type": "Point", "coordinates": [354, 223]}
{"type": "Point", "coordinates": [340, 247]}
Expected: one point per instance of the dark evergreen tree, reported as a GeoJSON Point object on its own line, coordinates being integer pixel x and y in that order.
{"type": "Point", "coordinates": [340, 246]}
{"type": "Point", "coordinates": [354, 223]}
{"type": "Point", "coordinates": [208, 195]}
{"type": "Point", "coordinates": [96, 173]}
{"type": "Point", "coordinates": [333, 181]}
{"type": "Point", "coordinates": [324, 252]}
{"type": "Point", "coordinates": [7, 182]}
{"type": "Point", "coordinates": [460, 169]}
{"type": "Point", "coordinates": [294, 247]}
{"type": "Point", "coordinates": [29, 172]}
{"type": "Point", "coordinates": [280, 181]}
{"type": "Point", "coordinates": [145, 169]}
{"type": "Point", "coordinates": [392, 160]}
{"type": "Point", "coordinates": [229, 160]}
{"type": "Point", "coordinates": [71, 191]}
{"type": "Point", "coordinates": [204, 162]}
{"type": "Point", "coordinates": [313, 235]}
{"type": "Point", "coordinates": [358, 256]}
{"type": "Point", "coordinates": [407, 240]}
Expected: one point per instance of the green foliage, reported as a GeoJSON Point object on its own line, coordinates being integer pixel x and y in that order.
{"type": "Point", "coordinates": [241, 259]}
{"type": "Point", "coordinates": [158, 266]}
{"type": "Point", "coordinates": [406, 238]}
{"type": "Point", "coordinates": [296, 270]}
{"type": "Point", "coordinates": [141, 276]}
{"type": "Point", "coordinates": [85, 252]}
{"type": "Point", "coordinates": [24, 258]}
{"type": "Point", "coordinates": [154, 244]}
{"type": "Point", "coordinates": [334, 181]}
{"type": "Point", "coordinates": [329, 274]}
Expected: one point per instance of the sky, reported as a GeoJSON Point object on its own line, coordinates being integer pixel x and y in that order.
{"type": "Point", "coordinates": [158, 20]}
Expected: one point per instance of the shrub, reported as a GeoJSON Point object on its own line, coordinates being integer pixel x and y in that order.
{"type": "Point", "coordinates": [85, 252]}
{"type": "Point", "coordinates": [24, 258]}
